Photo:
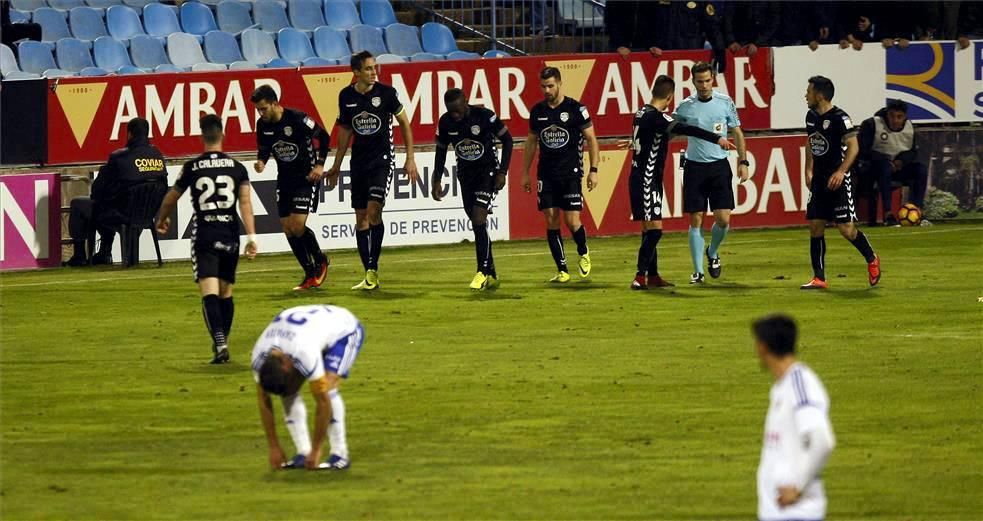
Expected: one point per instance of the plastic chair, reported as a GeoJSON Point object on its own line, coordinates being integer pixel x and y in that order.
{"type": "Point", "coordinates": [206, 66]}
{"type": "Point", "coordinates": [35, 57]}
{"type": "Point", "coordinates": [295, 46]}
{"type": "Point", "coordinates": [138, 4]}
{"type": "Point", "coordinates": [17, 17]}
{"type": "Point", "coordinates": [403, 40]}
{"type": "Point", "coordinates": [123, 22]}
{"type": "Point", "coordinates": [378, 13]}
{"type": "Point", "coordinates": [425, 57]}
{"type": "Point", "coordinates": [234, 17]}
{"type": "Point", "coordinates": [53, 24]}
{"type": "Point", "coordinates": [463, 55]}
{"type": "Point", "coordinates": [331, 43]}
{"type": "Point", "coordinates": [129, 69]}
{"type": "Point", "coordinates": [341, 14]}
{"type": "Point", "coordinates": [160, 20]}
{"type": "Point", "coordinates": [438, 39]}
{"type": "Point", "coordinates": [148, 52]}
{"type": "Point", "coordinates": [391, 58]}
{"type": "Point", "coordinates": [184, 51]}
{"type": "Point", "coordinates": [93, 71]}
{"type": "Point", "coordinates": [495, 53]}
{"type": "Point", "coordinates": [197, 18]}
{"type": "Point", "coordinates": [9, 69]}
{"type": "Point", "coordinates": [28, 5]}
{"type": "Point", "coordinates": [142, 202]}
{"type": "Point", "coordinates": [258, 48]}
{"type": "Point", "coordinates": [367, 38]}
{"type": "Point", "coordinates": [86, 23]}
{"type": "Point", "coordinates": [306, 15]}
{"type": "Point", "coordinates": [110, 54]}
{"type": "Point", "coordinates": [270, 15]}
{"type": "Point", "coordinates": [65, 5]}
{"type": "Point", "coordinates": [221, 47]}
{"type": "Point", "coordinates": [102, 4]}
{"type": "Point", "coordinates": [73, 55]}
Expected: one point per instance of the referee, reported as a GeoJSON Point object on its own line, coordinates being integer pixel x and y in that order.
{"type": "Point", "coordinates": [707, 178]}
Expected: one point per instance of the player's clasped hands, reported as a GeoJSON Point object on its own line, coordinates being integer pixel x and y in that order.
{"type": "Point", "coordinates": [316, 174]}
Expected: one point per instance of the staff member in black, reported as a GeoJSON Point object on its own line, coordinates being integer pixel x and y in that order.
{"type": "Point", "coordinates": [288, 136]}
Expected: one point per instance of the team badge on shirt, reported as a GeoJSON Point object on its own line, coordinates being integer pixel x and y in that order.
{"type": "Point", "coordinates": [825, 124]}
{"type": "Point", "coordinates": [376, 101]}
{"type": "Point", "coordinates": [564, 117]}
{"type": "Point", "coordinates": [287, 131]}
{"type": "Point", "coordinates": [475, 129]}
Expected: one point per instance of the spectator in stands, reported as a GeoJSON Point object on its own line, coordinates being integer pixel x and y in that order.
{"type": "Point", "coordinates": [749, 25]}
{"type": "Point", "coordinates": [695, 24]}
{"type": "Point", "coordinates": [11, 32]}
{"type": "Point", "coordinates": [638, 26]}
{"type": "Point", "coordinates": [890, 154]}
{"type": "Point", "coordinates": [538, 13]}
{"type": "Point", "coordinates": [139, 162]}
{"type": "Point", "coordinates": [890, 23]}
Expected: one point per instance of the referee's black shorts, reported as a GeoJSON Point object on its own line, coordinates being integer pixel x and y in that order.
{"type": "Point", "coordinates": [707, 184]}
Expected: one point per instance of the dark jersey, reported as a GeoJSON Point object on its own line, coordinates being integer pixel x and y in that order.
{"type": "Point", "coordinates": [214, 179]}
{"type": "Point", "coordinates": [291, 142]}
{"type": "Point", "coordinates": [139, 162]}
{"type": "Point", "coordinates": [560, 132]}
{"type": "Point", "coordinates": [473, 139]}
{"type": "Point", "coordinates": [827, 139]}
{"type": "Point", "coordinates": [651, 132]}
{"type": "Point", "coordinates": [370, 118]}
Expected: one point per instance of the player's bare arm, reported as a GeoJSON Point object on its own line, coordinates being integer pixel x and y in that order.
{"type": "Point", "coordinates": [852, 150]}
{"type": "Point", "coordinates": [507, 143]}
{"type": "Point", "coordinates": [808, 166]}
{"type": "Point", "coordinates": [344, 140]}
{"type": "Point", "coordinates": [407, 132]}
{"type": "Point", "coordinates": [437, 189]}
{"type": "Point", "coordinates": [319, 389]}
{"type": "Point", "coordinates": [530, 148]}
{"type": "Point", "coordinates": [166, 210]}
{"type": "Point", "coordinates": [248, 221]}
{"type": "Point", "coordinates": [277, 457]}
{"type": "Point", "coordinates": [594, 151]}
{"type": "Point", "coordinates": [743, 173]}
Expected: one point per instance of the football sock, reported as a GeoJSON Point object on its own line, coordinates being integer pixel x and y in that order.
{"type": "Point", "coordinates": [336, 429]}
{"type": "Point", "coordinates": [717, 234]}
{"type": "Point", "coordinates": [555, 241]}
{"type": "Point", "coordinates": [313, 248]}
{"type": "Point", "coordinates": [817, 251]}
{"type": "Point", "coordinates": [295, 415]}
{"type": "Point", "coordinates": [300, 252]}
{"type": "Point", "coordinates": [482, 246]}
{"type": "Point", "coordinates": [362, 240]}
{"type": "Point", "coordinates": [212, 311]}
{"type": "Point", "coordinates": [696, 248]}
{"type": "Point", "coordinates": [228, 311]}
{"type": "Point", "coordinates": [580, 237]}
{"type": "Point", "coordinates": [648, 255]}
{"type": "Point", "coordinates": [378, 233]}
{"type": "Point", "coordinates": [863, 246]}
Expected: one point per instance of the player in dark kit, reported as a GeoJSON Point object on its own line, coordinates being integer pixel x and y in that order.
{"type": "Point", "coordinates": [472, 131]}
{"type": "Point", "coordinates": [651, 132]}
{"type": "Point", "coordinates": [830, 152]}
{"type": "Point", "coordinates": [365, 112]}
{"type": "Point", "coordinates": [561, 124]}
{"type": "Point", "coordinates": [288, 136]}
{"type": "Point", "coordinates": [217, 183]}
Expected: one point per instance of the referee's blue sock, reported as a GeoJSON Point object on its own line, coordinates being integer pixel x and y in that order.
{"type": "Point", "coordinates": [696, 248]}
{"type": "Point", "coordinates": [717, 234]}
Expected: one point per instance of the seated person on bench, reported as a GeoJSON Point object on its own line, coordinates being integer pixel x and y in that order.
{"type": "Point", "coordinates": [889, 151]}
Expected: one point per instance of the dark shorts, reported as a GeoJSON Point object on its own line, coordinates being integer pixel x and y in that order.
{"type": "Point", "coordinates": [296, 199]}
{"type": "Point", "coordinates": [645, 193]}
{"type": "Point", "coordinates": [477, 190]}
{"type": "Point", "coordinates": [563, 193]}
{"type": "Point", "coordinates": [836, 205]}
{"type": "Point", "coordinates": [371, 183]}
{"type": "Point", "coordinates": [215, 259]}
{"type": "Point", "coordinates": [707, 183]}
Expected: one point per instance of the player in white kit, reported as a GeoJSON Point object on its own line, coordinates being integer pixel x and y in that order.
{"type": "Point", "coordinates": [317, 344]}
{"type": "Point", "coordinates": [798, 435]}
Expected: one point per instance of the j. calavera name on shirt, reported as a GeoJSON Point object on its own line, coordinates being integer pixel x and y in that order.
{"type": "Point", "coordinates": [554, 136]}
{"type": "Point", "coordinates": [365, 123]}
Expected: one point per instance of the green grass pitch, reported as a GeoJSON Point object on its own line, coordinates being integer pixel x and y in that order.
{"type": "Point", "coordinates": [533, 402]}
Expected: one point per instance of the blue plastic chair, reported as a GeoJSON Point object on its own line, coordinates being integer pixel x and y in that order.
{"type": "Point", "coordinates": [28, 5]}
{"type": "Point", "coordinates": [168, 67]}
{"type": "Point", "coordinates": [129, 69]}
{"type": "Point", "coordinates": [102, 4]}
{"type": "Point", "coordinates": [110, 54]}
{"type": "Point", "coordinates": [65, 5]}
{"type": "Point", "coordinates": [138, 4]}
{"type": "Point", "coordinates": [403, 40]}
{"type": "Point", "coordinates": [270, 15]}
{"type": "Point", "coordinates": [221, 47]}
{"type": "Point", "coordinates": [18, 17]}
{"type": "Point", "coordinates": [35, 57]}
{"type": "Point", "coordinates": [378, 13]}
{"type": "Point", "coordinates": [205, 66]}
{"type": "Point", "coordinates": [184, 51]}
{"type": "Point", "coordinates": [123, 22]}
{"type": "Point", "coordinates": [9, 69]}
{"type": "Point", "coordinates": [425, 57]}
{"type": "Point", "coordinates": [93, 71]}
{"type": "Point", "coordinates": [197, 18]}
{"type": "Point", "coordinates": [86, 23]}
{"type": "Point", "coordinates": [438, 39]}
{"type": "Point", "coordinates": [294, 45]}
{"type": "Point", "coordinates": [258, 48]}
{"type": "Point", "coordinates": [331, 44]}
{"type": "Point", "coordinates": [367, 38]}
{"type": "Point", "coordinates": [306, 15]}
{"type": "Point", "coordinates": [243, 65]}
{"type": "Point", "coordinates": [391, 58]}
{"type": "Point", "coordinates": [463, 55]}
{"type": "Point", "coordinates": [73, 55]}
{"type": "Point", "coordinates": [341, 14]}
{"type": "Point", "coordinates": [495, 53]}
{"type": "Point", "coordinates": [234, 17]}
{"type": "Point", "coordinates": [148, 52]}
{"type": "Point", "coordinates": [160, 20]}
{"type": "Point", "coordinates": [53, 24]}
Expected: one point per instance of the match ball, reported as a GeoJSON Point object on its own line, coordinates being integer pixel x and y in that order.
{"type": "Point", "coordinates": [910, 215]}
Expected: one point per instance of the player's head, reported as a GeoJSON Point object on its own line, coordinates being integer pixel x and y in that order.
{"type": "Point", "coordinates": [550, 82]}
{"type": "Point", "coordinates": [278, 375]}
{"type": "Point", "coordinates": [211, 129]}
{"type": "Point", "coordinates": [456, 103]}
{"type": "Point", "coordinates": [363, 65]}
{"type": "Point", "coordinates": [820, 89]}
{"type": "Point", "coordinates": [897, 114]}
{"type": "Point", "coordinates": [774, 337]}
{"type": "Point", "coordinates": [267, 103]}
{"type": "Point", "coordinates": [702, 73]}
{"type": "Point", "coordinates": [137, 129]}
{"type": "Point", "coordinates": [663, 88]}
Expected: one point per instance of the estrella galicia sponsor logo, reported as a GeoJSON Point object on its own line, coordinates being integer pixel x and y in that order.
{"type": "Point", "coordinates": [469, 150]}
{"type": "Point", "coordinates": [285, 151]}
{"type": "Point", "coordinates": [366, 123]}
{"type": "Point", "coordinates": [554, 136]}
{"type": "Point", "coordinates": [818, 144]}
{"type": "Point", "coordinates": [924, 75]}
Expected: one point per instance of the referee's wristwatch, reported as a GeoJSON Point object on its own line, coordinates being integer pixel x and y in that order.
{"type": "Point", "coordinates": [744, 162]}
{"type": "Point", "coordinates": [593, 169]}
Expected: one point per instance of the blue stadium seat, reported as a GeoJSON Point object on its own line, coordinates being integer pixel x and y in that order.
{"type": "Point", "coordinates": [123, 22]}
{"type": "Point", "coordinates": [403, 40]}
{"type": "Point", "coordinates": [331, 44]}
{"type": "Point", "coordinates": [378, 13]}
{"type": "Point", "coordinates": [341, 14]}
{"type": "Point", "coordinates": [438, 39]}
{"type": "Point", "coordinates": [425, 57]}
{"type": "Point", "coordinates": [138, 4]}
{"type": "Point", "coordinates": [160, 20]}
{"type": "Point", "coordinates": [102, 4]}
{"type": "Point", "coordinates": [9, 69]}
{"type": "Point", "coordinates": [294, 45]}
{"type": "Point", "coordinates": [243, 65]}
{"type": "Point", "coordinates": [147, 52]}
{"type": "Point", "coordinates": [221, 47]}
{"type": "Point", "coordinates": [129, 69]}
{"type": "Point", "coordinates": [73, 55]}
{"type": "Point", "coordinates": [93, 71]}
{"type": "Point", "coordinates": [28, 5]}
{"type": "Point", "coordinates": [17, 17]}
{"type": "Point", "coordinates": [86, 23]}
{"type": "Point", "coordinates": [367, 38]}
{"type": "Point", "coordinates": [270, 15]}
{"type": "Point", "coordinates": [306, 15]}
{"type": "Point", "coordinates": [205, 66]}
{"type": "Point", "coordinates": [258, 48]}
{"type": "Point", "coordinates": [65, 5]}
{"type": "Point", "coordinates": [234, 17]}
{"type": "Point", "coordinates": [495, 53]}
{"type": "Point", "coordinates": [197, 18]}
{"type": "Point", "coordinates": [110, 54]}
{"type": "Point", "coordinates": [463, 55]}
{"type": "Point", "coordinates": [53, 24]}
{"type": "Point", "coordinates": [183, 50]}
{"type": "Point", "coordinates": [35, 57]}
{"type": "Point", "coordinates": [391, 58]}
{"type": "Point", "coordinates": [168, 67]}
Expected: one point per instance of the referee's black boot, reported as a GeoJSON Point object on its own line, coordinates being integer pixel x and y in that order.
{"type": "Point", "coordinates": [713, 264]}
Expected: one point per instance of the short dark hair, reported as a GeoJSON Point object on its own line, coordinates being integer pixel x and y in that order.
{"type": "Point", "coordinates": [358, 59]}
{"type": "Point", "coordinates": [699, 67]}
{"type": "Point", "coordinates": [138, 128]}
{"type": "Point", "coordinates": [211, 128]}
{"type": "Point", "coordinates": [663, 87]}
{"type": "Point", "coordinates": [264, 93]}
{"type": "Point", "coordinates": [777, 333]}
{"type": "Point", "coordinates": [453, 96]}
{"type": "Point", "coordinates": [823, 85]}
{"type": "Point", "coordinates": [550, 72]}
{"type": "Point", "coordinates": [272, 378]}
{"type": "Point", "coordinates": [898, 105]}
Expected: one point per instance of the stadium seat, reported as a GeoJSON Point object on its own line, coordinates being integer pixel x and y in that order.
{"type": "Point", "coordinates": [295, 46]}
{"type": "Point", "coordinates": [168, 67]}
{"type": "Point", "coordinates": [73, 55]}
{"type": "Point", "coordinates": [102, 4]}
{"type": "Point", "coordinates": [197, 18]}
{"type": "Point", "coordinates": [148, 52]}
{"type": "Point", "coordinates": [579, 14]}
{"type": "Point", "coordinates": [138, 4]}
{"type": "Point", "coordinates": [65, 5]}
{"type": "Point", "coordinates": [270, 15]}
{"type": "Point", "coordinates": [234, 17]}
{"type": "Point", "coordinates": [391, 58]}
{"type": "Point", "coordinates": [243, 65]}
{"type": "Point", "coordinates": [17, 17]}
{"type": "Point", "coordinates": [93, 71]}
{"type": "Point", "coordinates": [221, 47]}
{"type": "Point", "coordinates": [463, 55]}
{"type": "Point", "coordinates": [331, 44]}
{"type": "Point", "coordinates": [341, 14]}
{"type": "Point", "coordinates": [403, 40]}
{"type": "Point", "coordinates": [110, 54]}
{"type": "Point", "coordinates": [123, 22]}
{"type": "Point", "coordinates": [53, 24]}
{"type": "Point", "coordinates": [86, 23]}
{"type": "Point", "coordinates": [184, 51]}
{"type": "Point", "coordinates": [160, 20]}
{"type": "Point", "coordinates": [438, 39]}
{"type": "Point", "coordinates": [425, 57]}
{"type": "Point", "coordinates": [367, 38]}
{"type": "Point", "coordinates": [306, 15]}
{"type": "Point", "coordinates": [35, 57]}
{"type": "Point", "coordinates": [205, 66]}
{"type": "Point", "coordinates": [378, 13]}
{"type": "Point", "coordinates": [258, 48]}
{"type": "Point", "coordinates": [9, 69]}
{"type": "Point", "coordinates": [28, 5]}
{"type": "Point", "coordinates": [495, 53]}
{"type": "Point", "coordinates": [129, 69]}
